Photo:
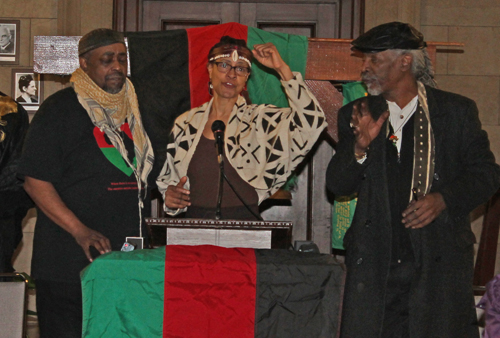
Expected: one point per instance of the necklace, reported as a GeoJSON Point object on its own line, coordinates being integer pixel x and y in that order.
{"type": "Point", "coordinates": [393, 138]}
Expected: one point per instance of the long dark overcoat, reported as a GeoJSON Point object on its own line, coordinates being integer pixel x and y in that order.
{"type": "Point", "coordinates": [441, 301]}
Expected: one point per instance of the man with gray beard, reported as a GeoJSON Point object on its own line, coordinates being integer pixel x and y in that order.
{"type": "Point", "coordinates": [419, 161]}
{"type": "Point", "coordinates": [86, 162]}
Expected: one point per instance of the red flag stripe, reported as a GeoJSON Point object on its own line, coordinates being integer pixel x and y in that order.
{"type": "Point", "coordinates": [200, 40]}
{"type": "Point", "coordinates": [209, 289]}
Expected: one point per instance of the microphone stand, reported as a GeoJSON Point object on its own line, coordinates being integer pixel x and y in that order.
{"type": "Point", "coordinates": [220, 158]}
{"type": "Point", "coordinates": [258, 217]}
{"type": "Point", "coordinates": [218, 128]}
{"type": "Point", "coordinates": [222, 177]}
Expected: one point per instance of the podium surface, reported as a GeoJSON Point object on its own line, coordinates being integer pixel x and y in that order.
{"type": "Point", "coordinates": [225, 233]}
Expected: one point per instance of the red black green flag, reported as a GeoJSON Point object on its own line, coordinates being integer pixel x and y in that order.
{"type": "Point", "coordinates": [212, 292]}
{"type": "Point", "coordinates": [169, 72]}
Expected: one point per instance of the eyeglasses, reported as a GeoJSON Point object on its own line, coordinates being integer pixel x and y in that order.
{"type": "Point", "coordinates": [225, 67]}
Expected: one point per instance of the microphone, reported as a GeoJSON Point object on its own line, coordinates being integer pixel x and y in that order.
{"type": "Point", "coordinates": [218, 128]}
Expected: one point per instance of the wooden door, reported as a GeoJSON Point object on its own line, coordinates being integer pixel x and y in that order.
{"type": "Point", "coordinates": [321, 19]}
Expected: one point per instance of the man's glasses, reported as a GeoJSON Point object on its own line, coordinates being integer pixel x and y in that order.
{"type": "Point", "coordinates": [225, 67]}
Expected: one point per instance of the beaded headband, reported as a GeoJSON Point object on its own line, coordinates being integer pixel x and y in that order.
{"type": "Point", "coordinates": [234, 56]}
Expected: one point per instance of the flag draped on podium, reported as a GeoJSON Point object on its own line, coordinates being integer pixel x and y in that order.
{"type": "Point", "coordinates": [211, 292]}
{"type": "Point", "coordinates": [168, 69]}
{"type": "Point", "coordinates": [209, 289]}
{"type": "Point", "coordinates": [217, 292]}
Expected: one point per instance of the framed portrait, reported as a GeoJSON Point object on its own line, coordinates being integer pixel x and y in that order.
{"type": "Point", "coordinates": [9, 42]}
{"type": "Point", "coordinates": [27, 88]}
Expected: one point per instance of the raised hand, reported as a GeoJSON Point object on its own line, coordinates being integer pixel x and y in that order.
{"type": "Point", "coordinates": [364, 127]}
{"type": "Point", "coordinates": [176, 197]}
{"type": "Point", "coordinates": [267, 54]}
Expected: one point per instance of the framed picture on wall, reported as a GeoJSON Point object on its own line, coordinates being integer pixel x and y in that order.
{"type": "Point", "coordinates": [9, 42]}
{"type": "Point", "coordinates": [27, 89]}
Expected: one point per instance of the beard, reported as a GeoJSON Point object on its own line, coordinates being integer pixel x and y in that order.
{"type": "Point", "coordinates": [372, 83]}
{"type": "Point", "coordinates": [115, 86]}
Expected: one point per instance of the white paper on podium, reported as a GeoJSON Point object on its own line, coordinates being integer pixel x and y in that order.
{"type": "Point", "coordinates": [220, 237]}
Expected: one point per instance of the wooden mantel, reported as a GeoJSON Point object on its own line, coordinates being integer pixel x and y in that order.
{"type": "Point", "coordinates": [327, 59]}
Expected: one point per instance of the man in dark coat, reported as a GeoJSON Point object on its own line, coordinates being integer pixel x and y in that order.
{"type": "Point", "coordinates": [419, 161]}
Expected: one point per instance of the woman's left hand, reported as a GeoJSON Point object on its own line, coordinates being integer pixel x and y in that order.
{"type": "Point", "coordinates": [267, 54]}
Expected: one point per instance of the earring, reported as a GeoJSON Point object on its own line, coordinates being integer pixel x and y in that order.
{"type": "Point", "coordinates": [210, 87]}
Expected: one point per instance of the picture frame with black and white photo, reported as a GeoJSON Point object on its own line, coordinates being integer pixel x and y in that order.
{"type": "Point", "coordinates": [27, 88]}
{"type": "Point", "coordinates": [9, 42]}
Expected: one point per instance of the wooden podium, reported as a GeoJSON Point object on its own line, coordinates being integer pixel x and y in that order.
{"type": "Point", "coordinates": [225, 233]}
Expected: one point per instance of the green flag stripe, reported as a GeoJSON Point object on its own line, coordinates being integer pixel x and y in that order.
{"type": "Point", "coordinates": [264, 88]}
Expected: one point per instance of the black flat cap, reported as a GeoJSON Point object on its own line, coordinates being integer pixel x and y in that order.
{"type": "Point", "coordinates": [392, 35]}
{"type": "Point", "coordinates": [98, 38]}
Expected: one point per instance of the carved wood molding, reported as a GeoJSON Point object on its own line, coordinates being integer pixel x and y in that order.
{"type": "Point", "coordinates": [127, 14]}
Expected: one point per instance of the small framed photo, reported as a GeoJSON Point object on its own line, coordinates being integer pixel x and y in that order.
{"type": "Point", "coordinates": [27, 88]}
{"type": "Point", "coordinates": [9, 42]}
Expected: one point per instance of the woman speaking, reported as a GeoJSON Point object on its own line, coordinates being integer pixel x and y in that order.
{"type": "Point", "coordinates": [262, 144]}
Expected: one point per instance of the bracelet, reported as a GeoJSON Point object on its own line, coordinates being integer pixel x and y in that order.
{"type": "Point", "coordinates": [360, 157]}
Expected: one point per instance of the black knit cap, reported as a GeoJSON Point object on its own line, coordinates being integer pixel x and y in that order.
{"type": "Point", "coordinates": [98, 38]}
{"type": "Point", "coordinates": [392, 35]}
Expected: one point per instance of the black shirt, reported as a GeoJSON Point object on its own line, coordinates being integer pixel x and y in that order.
{"type": "Point", "coordinates": [64, 147]}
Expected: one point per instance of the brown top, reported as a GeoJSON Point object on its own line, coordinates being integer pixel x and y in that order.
{"type": "Point", "coordinates": [203, 173]}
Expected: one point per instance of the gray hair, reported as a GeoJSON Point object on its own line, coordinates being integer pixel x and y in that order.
{"type": "Point", "coordinates": [421, 66]}
{"type": "Point", "coordinates": [5, 29]}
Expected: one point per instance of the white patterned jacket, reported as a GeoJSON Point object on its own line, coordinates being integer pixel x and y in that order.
{"type": "Point", "coordinates": [263, 143]}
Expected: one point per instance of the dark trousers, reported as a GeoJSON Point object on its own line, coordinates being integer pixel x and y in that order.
{"type": "Point", "coordinates": [397, 309]}
{"type": "Point", "coordinates": [59, 309]}
{"type": "Point", "coordinates": [11, 233]}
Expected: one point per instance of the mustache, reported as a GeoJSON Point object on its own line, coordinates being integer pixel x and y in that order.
{"type": "Point", "coordinates": [115, 73]}
{"type": "Point", "coordinates": [365, 76]}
